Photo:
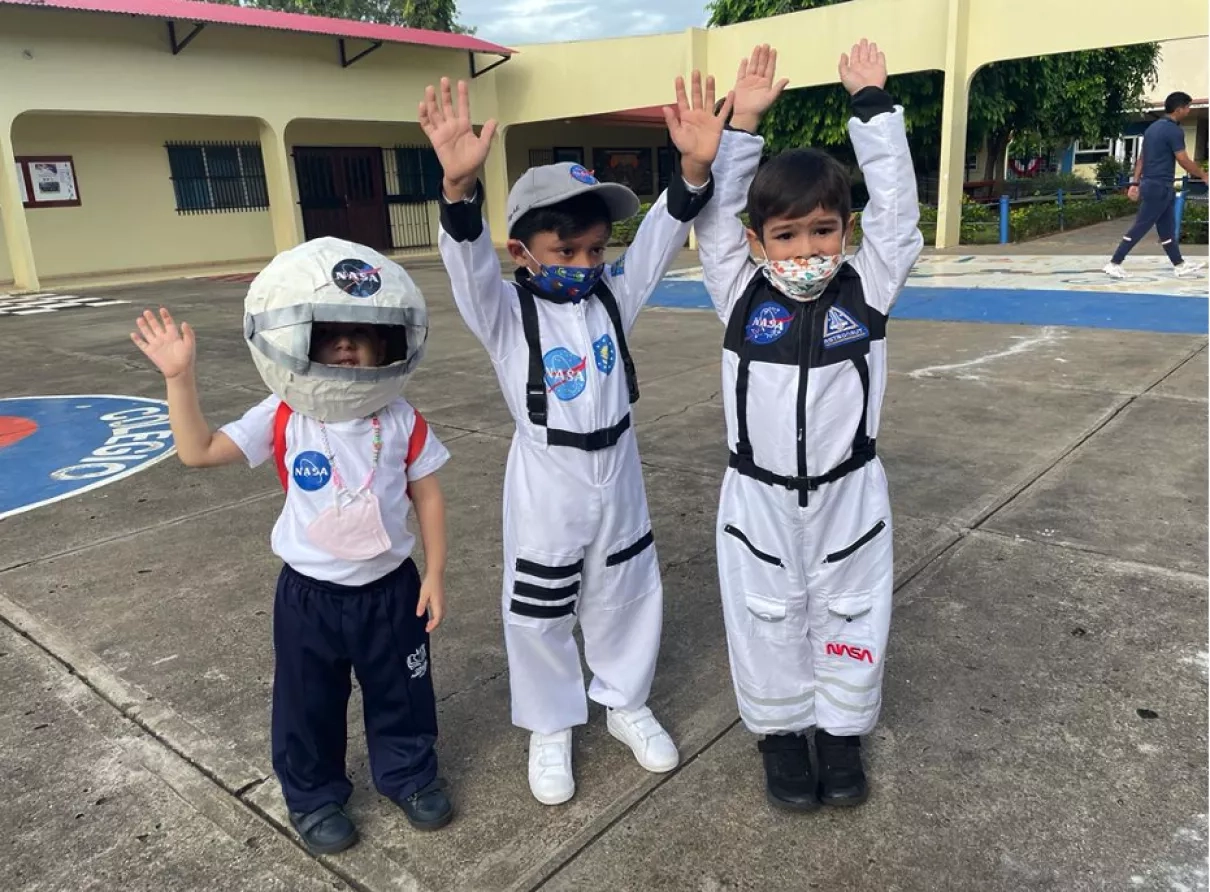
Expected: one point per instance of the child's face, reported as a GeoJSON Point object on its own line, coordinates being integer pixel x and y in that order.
{"type": "Point", "coordinates": [586, 249]}
{"type": "Point", "coordinates": [820, 232]}
{"type": "Point", "coordinates": [346, 344]}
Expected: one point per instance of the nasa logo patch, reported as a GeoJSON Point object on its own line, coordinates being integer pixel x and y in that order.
{"type": "Point", "coordinates": [768, 323]}
{"type": "Point", "coordinates": [581, 174]}
{"type": "Point", "coordinates": [357, 278]}
{"type": "Point", "coordinates": [565, 373]}
{"type": "Point", "coordinates": [55, 447]}
{"type": "Point", "coordinates": [311, 471]}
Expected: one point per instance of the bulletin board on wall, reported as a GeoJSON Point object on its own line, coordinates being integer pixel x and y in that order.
{"type": "Point", "coordinates": [630, 167]}
{"type": "Point", "coordinates": [48, 181]}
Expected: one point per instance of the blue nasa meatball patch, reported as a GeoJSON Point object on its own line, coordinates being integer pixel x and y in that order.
{"type": "Point", "coordinates": [580, 173]}
{"type": "Point", "coordinates": [768, 323]}
{"type": "Point", "coordinates": [311, 471]}
{"type": "Point", "coordinates": [566, 373]}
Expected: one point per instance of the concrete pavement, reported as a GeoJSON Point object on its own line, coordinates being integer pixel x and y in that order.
{"type": "Point", "coordinates": [1045, 715]}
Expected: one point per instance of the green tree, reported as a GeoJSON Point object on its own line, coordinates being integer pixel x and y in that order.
{"type": "Point", "coordinates": [1056, 99]}
{"type": "Point", "coordinates": [433, 15]}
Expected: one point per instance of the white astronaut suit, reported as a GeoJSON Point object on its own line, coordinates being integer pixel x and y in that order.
{"type": "Point", "coordinates": [577, 533]}
{"type": "Point", "coordinates": [804, 522]}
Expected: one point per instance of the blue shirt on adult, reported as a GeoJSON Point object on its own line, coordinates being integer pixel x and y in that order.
{"type": "Point", "coordinates": [1161, 141]}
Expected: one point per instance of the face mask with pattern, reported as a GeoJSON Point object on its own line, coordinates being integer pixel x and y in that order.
{"type": "Point", "coordinates": [565, 281]}
{"type": "Point", "coordinates": [803, 278]}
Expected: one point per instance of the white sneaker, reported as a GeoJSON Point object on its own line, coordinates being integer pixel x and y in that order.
{"type": "Point", "coordinates": [640, 731]}
{"type": "Point", "coordinates": [550, 778]}
{"type": "Point", "coordinates": [1188, 269]}
{"type": "Point", "coordinates": [1115, 271]}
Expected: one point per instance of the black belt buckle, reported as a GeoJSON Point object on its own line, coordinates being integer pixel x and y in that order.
{"type": "Point", "coordinates": [535, 404]}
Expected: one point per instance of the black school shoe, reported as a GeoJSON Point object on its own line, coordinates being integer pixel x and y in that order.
{"type": "Point", "coordinates": [429, 808]}
{"type": "Point", "coordinates": [789, 781]}
{"type": "Point", "coordinates": [325, 831]}
{"type": "Point", "coordinates": [841, 777]}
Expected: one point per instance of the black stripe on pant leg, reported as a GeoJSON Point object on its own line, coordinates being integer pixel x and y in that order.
{"type": "Point", "coordinates": [541, 593]}
{"type": "Point", "coordinates": [541, 611]}
{"type": "Point", "coordinates": [549, 571]}
{"type": "Point", "coordinates": [631, 551]}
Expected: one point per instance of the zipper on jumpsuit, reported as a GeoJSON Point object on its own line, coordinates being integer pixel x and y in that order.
{"type": "Point", "coordinates": [595, 394]}
{"type": "Point", "coordinates": [804, 341]}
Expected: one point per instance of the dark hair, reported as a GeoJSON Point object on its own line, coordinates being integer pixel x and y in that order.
{"type": "Point", "coordinates": [795, 183]}
{"type": "Point", "coordinates": [1176, 101]}
{"type": "Point", "coordinates": [567, 219]}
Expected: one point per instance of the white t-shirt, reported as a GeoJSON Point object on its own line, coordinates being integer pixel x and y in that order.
{"type": "Point", "coordinates": [311, 490]}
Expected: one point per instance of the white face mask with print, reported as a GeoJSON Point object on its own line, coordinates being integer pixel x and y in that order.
{"type": "Point", "coordinates": [803, 278]}
{"type": "Point", "coordinates": [352, 528]}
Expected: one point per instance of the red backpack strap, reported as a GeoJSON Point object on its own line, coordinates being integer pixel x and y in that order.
{"type": "Point", "coordinates": [419, 436]}
{"type": "Point", "coordinates": [416, 441]}
{"type": "Point", "coordinates": [280, 420]}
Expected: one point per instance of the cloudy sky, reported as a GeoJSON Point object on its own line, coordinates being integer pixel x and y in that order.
{"type": "Point", "coordinates": [515, 22]}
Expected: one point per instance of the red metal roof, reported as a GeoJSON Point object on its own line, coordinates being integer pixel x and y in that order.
{"type": "Point", "coordinates": [248, 17]}
{"type": "Point", "coordinates": [651, 114]}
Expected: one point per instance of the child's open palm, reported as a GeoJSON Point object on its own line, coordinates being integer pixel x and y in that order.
{"type": "Point", "coordinates": [695, 128]}
{"type": "Point", "coordinates": [448, 128]}
{"type": "Point", "coordinates": [755, 89]}
{"type": "Point", "coordinates": [171, 349]}
{"type": "Point", "coordinates": [864, 66]}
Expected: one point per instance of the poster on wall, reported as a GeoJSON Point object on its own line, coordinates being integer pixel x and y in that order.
{"type": "Point", "coordinates": [48, 181]}
{"type": "Point", "coordinates": [630, 167]}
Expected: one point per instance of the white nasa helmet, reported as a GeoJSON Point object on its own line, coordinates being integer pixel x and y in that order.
{"type": "Point", "coordinates": [331, 280]}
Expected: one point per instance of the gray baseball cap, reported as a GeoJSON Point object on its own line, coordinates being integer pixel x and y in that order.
{"type": "Point", "coordinates": [540, 187]}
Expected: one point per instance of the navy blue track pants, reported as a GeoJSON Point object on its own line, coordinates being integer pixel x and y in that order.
{"type": "Point", "coordinates": [321, 631]}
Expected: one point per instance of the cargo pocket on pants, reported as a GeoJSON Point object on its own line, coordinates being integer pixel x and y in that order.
{"type": "Point", "coordinates": [545, 589]}
{"type": "Point", "coordinates": [631, 571]}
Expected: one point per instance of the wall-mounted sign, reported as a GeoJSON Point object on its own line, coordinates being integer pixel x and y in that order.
{"type": "Point", "coordinates": [48, 181]}
{"type": "Point", "coordinates": [630, 167]}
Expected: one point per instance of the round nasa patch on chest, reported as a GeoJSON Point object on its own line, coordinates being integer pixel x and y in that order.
{"type": "Point", "coordinates": [566, 373]}
{"type": "Point", "coordinates": [311, 471]}
{"type": "Point", "coordinates": [768, 323]}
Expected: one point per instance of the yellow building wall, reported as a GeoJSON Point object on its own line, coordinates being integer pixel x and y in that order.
{"type": "Point", "coordinates": [585, 136]}
{"type": "Point", "coordinates": [1185, 66]}
{"type": "Point", "coordinates": [127, 217]}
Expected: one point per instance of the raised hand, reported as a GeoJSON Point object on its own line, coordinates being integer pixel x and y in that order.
{"type": "Point", "coordinates": [448, 128]}
{"type": "Point", "coordinates": [695, 128]}
{"type": "Point", "coordinates": [171, 350]}
{"type": "Point", "coordinates": [863, 66]}
{"type": "Point", "coordinates": [755, 89]}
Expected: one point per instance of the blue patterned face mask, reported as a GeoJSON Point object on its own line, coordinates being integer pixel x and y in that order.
{"type": "Point", "coordinates": [565, 281]}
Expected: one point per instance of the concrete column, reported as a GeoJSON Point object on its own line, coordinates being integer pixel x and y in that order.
{"type": "Point", "coordinates": [16, 227]}
{"type": "Point", "coordinates": [955, 103]}
{"type": "Point", "coordinates": [278, 180]}
{"type": "Point", "coordinates": [496, 185]}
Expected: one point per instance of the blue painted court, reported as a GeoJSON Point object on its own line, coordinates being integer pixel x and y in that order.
{"type": "Point", "coordinates": [1161, 313]}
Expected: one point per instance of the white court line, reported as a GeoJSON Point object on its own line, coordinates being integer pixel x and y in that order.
{"type": "Point", "coordinates": [1048, 335]}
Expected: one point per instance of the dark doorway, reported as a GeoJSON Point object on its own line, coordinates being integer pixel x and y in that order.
{"type": "Point", "coordinates": [342, 193]}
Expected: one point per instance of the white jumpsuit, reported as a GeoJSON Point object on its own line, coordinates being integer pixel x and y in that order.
{"type": "Point", "coordinates": [804, 523]}
{"type": "Point", "coordinates": [577, 534]}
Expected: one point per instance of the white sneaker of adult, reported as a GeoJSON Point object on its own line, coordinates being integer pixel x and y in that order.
{"type": "Point", "coordinates": [550, 777]}
{"type": "Point", "coordinates": [1188, 268]}
{"type": "Point", "coordinates": [645, 736]}
{"type": "Point", "coordinates": [1115, 271]}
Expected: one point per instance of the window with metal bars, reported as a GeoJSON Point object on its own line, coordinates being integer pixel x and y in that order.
{"type": "Point", "coordinates": [215, 177]}
{"type": "Point", "coordinates": [419, 174]}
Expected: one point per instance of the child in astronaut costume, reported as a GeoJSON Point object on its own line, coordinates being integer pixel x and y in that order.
{"type": "Point", "coordinates": [577, 535]}
{"type": "Point", "coordinates": [804, 523]}
{"type": "Point", "coordinates": [334, 329]}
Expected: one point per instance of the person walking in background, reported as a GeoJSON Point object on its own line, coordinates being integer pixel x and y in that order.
{"type": "Point", "coordinates": [1151, 187]}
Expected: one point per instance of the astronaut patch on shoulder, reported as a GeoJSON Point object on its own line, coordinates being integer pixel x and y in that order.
{"type": "Point", "coordinates": [618, 267]}
{"type": "Point", "coordinates": [841, 328]}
